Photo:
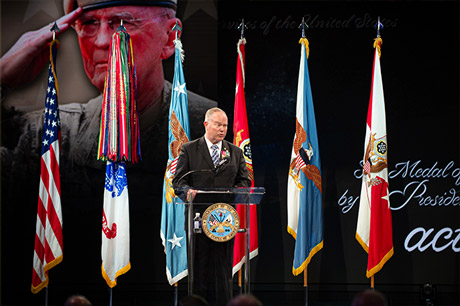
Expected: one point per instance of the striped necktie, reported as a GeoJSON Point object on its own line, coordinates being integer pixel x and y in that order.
{"type": "Point", "coordinates": [215, 154]}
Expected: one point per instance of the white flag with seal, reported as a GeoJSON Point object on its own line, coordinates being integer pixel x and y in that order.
{"type": "Point", "coordinates": [115, 224]}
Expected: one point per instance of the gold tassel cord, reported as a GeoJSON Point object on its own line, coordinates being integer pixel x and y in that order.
{"type": "Point", "coordinates": [377, 44]}
{"type": "Point", "coordinates": [305, 42]}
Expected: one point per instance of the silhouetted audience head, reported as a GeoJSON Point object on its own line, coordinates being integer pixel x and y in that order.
{"type": "Point", "coordinates": [193, 300]}
{"type": "Point", "coordinates": [245, 300]}
{"type": "Point", "coordinates": [370, 297]}
{"type": "Point", "coordinates": [77, 300]}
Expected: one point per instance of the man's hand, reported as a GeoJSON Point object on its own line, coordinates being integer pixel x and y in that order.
{"type": "Point", "coordinates": [191, 193]}
{"type": "Point", "coordinates": [24, 61]}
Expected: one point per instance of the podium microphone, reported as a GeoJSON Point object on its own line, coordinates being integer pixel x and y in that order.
{"type": "Point", "coordinates": [222, 162]}
{"type": "Point", "coordinates": [194, 171]}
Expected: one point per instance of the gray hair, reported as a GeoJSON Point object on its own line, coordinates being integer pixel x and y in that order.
{"type": "Point", "coordinates": [211, 112]}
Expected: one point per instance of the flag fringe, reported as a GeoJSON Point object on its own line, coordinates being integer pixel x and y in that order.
{"type": "Point", "coordinates": [46, 268]}
{"type": "Point", "coordinates": [177, 278]}
{"type": "Point", "coordinates": [362, 243]}
{"type": "Point", "coordinates": [42, 285]}
{"type": "Point", "coordinates": [122, 271]}
{"type": "Point", "coordinates": [292, 232]}
{"type": "Point", "coordinates": [379, 266]}
{"type": "Point", "coordinates": [52, 264]}
{"type": "Point", "coordinates": [163, 240]}
{"type": "Point", "coordinates": [304, 265]}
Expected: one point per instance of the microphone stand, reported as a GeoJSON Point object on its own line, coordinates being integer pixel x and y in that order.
{"type": "Point", "coordinates": [191, 256]}
{"type": "Point", "coordinates": [223, 162]}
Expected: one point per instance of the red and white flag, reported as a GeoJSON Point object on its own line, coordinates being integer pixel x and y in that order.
{"type": "Point", "coordinates": [241, 139]}
{"type": "Point", "coordinates": [374, 229]}
{"type": "Point", "coordinates": [119, 142]}
{"type": "Point", "coordinates": [115, 224]}
{"type": "Point", "coordinates": [48, 231]}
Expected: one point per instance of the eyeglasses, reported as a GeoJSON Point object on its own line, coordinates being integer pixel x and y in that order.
{"type": "Point", "coordinates": [88, 27]}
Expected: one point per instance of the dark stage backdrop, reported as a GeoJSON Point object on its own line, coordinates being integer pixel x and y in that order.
{"type": "Point", "coordinates": [420, 71]}
{"type": "Point", "coordinates": [420, 78]}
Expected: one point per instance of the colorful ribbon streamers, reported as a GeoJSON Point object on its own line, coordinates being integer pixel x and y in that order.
{"type": "Point", "coordinates": [119, 138]}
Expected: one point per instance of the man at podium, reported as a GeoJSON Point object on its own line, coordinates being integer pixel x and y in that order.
{"type": "Point", "coordinates": [227, 168]}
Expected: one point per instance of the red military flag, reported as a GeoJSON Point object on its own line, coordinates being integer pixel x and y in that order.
{"type": "Point", "coordinates": [48, 232]}
{"type": "Point", "coordinates": [241, 139]}
{"type": "Point", "coordinates": [374, 229]}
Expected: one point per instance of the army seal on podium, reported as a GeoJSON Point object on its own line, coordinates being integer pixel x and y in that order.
{"type": "Point", "coordinates": [220, 222]}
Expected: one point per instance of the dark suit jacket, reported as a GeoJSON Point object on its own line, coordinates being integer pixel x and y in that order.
{"type": "Point", "coordinates": [212, 260]}
{"type": "Point", "coordinates": [195, 155]}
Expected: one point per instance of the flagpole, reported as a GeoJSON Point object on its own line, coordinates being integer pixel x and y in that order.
{"type": "Point", "coordinates": [176, 29]}
{"type": "Point", "coordinates": [304, 26]}
{"type": "Point", "coordinates": [247, 269]}
{"type": "Point", "coordinates": [242, 27]}
{"type": "Point", "coordinates": [240, 280]}
{"type": "Point", "coordinates": [378, 26]}
{"type": "Point", "coordinates": [110, 297]}
{"type": "Point", "coordinates": [191, 246]}
{"type": "Point", "coordinates": [305, 284]}
{"type": "Point", "coordinates": [54, 29]}
{"type": "Point", "coordinates": [176, 293]}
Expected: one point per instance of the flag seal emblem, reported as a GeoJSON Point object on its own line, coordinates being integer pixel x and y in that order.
{"type": "Point", "coordinates": [245, 146]}
{"type": "Point", "coordinates": [115, 179]}
{"type": "Point", "coordinates": [381, 147]}
{"type": "Point", "coordinates": [376, 154]}
{"type": "Point", "coordinates": [220, 222]}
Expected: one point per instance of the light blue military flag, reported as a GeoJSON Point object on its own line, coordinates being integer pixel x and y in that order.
{"type": "Point", "coordinates": [304, 204]}
{"type": "Point", "coordinates": [173, 233]}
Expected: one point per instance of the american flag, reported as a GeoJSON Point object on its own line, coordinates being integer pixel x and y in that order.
{"type": "Point", "coordinates": [299, 162]}
{"type": "Point", "coordinates": [174, 165]}
{"type": "Point", "coordinates": [212, 220]}
{"type": "Point", "coordinates": [367, 166]}
{"type": "Point", "coordinates": [48, 234]}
